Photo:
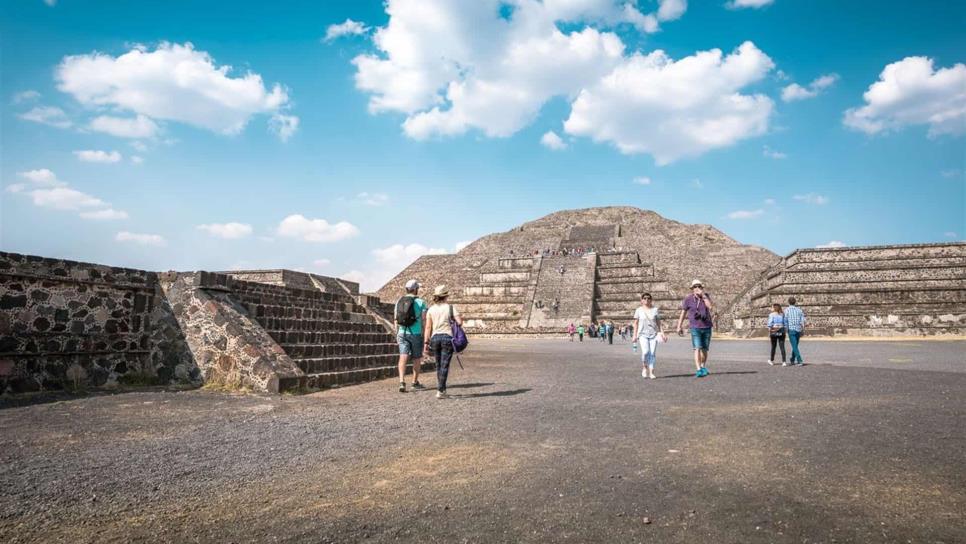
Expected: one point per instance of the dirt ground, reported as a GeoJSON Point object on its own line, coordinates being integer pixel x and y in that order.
{"type": "Point", "coordinates": [542, 441]}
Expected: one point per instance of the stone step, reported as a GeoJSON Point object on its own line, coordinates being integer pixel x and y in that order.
{"type": "Point", "coordinates": [509, 291]}
{"type": "Point", "coordinates": [878, 275]}
{"type": "Point", "coordinates": [495, 299]}
{"type": "Point", "coordinates": [296, 312]}
{"type": "Point", "coordinates": [879, 253]}
{"type": "Point", "coordinates": [626, 273]}
{"type": "Point", "coordinates": [273, 325]}
{"type": "Point", "coordinates": [862, 286]}
{"type": "Point", "coordinates": [504, 277]}
{"type": "Point", "coordinates": [631, 305]}
{"type": "Point", "coordinates": [875, 264]}
{"type": "Point", "coordinates": [865, 297]}
{"type": "Point", "coordinates": [865, 321]}
{"type": "Point", "coordinates": [341, 363]}
{"type": "Point", "coordinates": [289, 294]}
{"type": "Point", "coordinates": [885, 308]}
{"type": "Point", "coordinates": [313, 338]}
{"type": "Point", "coordinates": [493, 315]}
{"type": "Point", "coordinates": [303, 351]}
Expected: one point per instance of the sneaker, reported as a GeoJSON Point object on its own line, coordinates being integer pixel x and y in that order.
{"type": "Point", "coordinates": [704, 371]}
{"type": "Point", "coordinates": [441, 394]}
{"type": "Point", "coordinates": [402, 387]}
{"type": "Point", "coordinates": [699, 374]}
{"type": "Point", "coordinates": [644, 372]}
{"type": "Point", "coordinates": [784, 363]}
{"type": "Point", "coordinates": [771, 363]}
{"type": "Point", "coordinates": [417, 385]}
{"type": "Point", "coordinates": [652, 376]}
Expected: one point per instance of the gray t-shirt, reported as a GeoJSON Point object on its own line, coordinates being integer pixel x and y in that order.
{"type": "Point", "coordinates": [647, 319]}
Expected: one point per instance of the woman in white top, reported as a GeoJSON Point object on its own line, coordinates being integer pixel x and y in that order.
{"type": "Point", "coordinates": [438, 335]}
{"type": "Point", "coordinates": [647, 328]}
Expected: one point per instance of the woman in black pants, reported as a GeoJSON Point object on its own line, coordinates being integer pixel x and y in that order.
{"type": "Point", "coordinates": [776, 331]}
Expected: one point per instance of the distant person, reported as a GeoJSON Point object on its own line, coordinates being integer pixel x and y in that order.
{"type": "Point", "coordinates": [580, 332]}
{"type": "Point", "coordinates": [592, 330]}
{"type": "Point", "coordinates": [647, 329]}
{"type": "Point", "coordinates": [438, 335]}
{"type": "Point", "coordinates": [410, 314]}
{"type": "Point", "coordinates": [602, 331]}
{"type": "Point", "coordinates": [697, 307]}
{"type": "Point", "coordinates": [610, 332]}
{"type": "Point", "coordinates": [795, 323]}
{"type": "Point", "coordinates": [570, 331]}
{"type": "Point", "coordinates": [776, 332]}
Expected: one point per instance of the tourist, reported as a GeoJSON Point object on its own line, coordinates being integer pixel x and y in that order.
{"type": "Point", "coordinates": [570, 331]}
{"type": "Point", "coordinates": [697, 307]}
{"type": "Point", "coordinates": [610, 332]}
{"type": "Point", "coordinates": [592, 330]}
{"type": "Point", "coordinates": [438, 335]}
{"type": "Point", "coordinates": [602, 331]}
{"type": "Point", "coordinates": [776, 332]}
{"type": "Point", "coordinates": [795, 323]}
{"type": "Point", "coordinates": [410, 315]}
{"type": "Point", "coordinates": [580, 332]}
{"type": "Point", "coordinates": [648, 327]}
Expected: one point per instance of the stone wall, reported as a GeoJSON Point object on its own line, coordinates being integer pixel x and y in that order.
{"type": "Point", "coordinates": [65, 324]}
{"type": "Point", "coordinates": [869, 291]}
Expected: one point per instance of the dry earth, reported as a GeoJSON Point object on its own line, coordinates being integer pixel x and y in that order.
{"type": "Point", "coordinates": [543, 441]}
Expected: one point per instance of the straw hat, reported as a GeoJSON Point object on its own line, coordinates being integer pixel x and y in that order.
{"type": "Point", "coordinates": [441, 291]}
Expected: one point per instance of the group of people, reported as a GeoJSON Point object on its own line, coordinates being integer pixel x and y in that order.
{"type": "Point", "coordinates": [423, 327]}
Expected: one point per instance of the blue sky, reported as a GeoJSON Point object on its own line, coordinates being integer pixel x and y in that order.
{"type": "Point", "coordinates": [421, 125]}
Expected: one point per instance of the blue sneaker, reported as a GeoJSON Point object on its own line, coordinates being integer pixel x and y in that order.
{"type": "Point", "coordinates": [704, 371]}
{"type": "Point", "coordinates": [699, 374]}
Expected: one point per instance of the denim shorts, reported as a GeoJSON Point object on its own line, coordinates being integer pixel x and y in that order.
{"type": "Point", "coordinates": [701, 338]}
{"type": "Point", "coordinates": [410, 344]}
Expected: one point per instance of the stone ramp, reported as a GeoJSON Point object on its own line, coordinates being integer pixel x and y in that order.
{"type": "Point", "coordinates": [869, 291]}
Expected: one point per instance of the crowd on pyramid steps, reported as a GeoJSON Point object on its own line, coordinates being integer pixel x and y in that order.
{"type": "Point", "coordinates": [438, 329]}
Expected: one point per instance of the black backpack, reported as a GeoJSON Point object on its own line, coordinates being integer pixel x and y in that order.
{"type": "Point", "coordinates": [406, 311]}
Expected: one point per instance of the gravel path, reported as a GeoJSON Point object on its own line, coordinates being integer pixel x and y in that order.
{"type": "Point", "coordinates": [543, 441]}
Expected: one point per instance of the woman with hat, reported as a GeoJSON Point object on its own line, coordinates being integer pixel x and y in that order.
{"type": "Point", "coordinates": [438, 335]}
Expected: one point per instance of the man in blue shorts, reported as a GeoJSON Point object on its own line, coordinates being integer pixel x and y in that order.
{"type": "Point", "coordinates": [410, 335]}
{"type": "Point", "coordinates": [698, 308]}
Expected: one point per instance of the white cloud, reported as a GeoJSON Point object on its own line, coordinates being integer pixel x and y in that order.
{"type": "Point", "coordinates": [812, 198]}
{"type": "Point", "coordinates": [92, 155]}
{"type": "Point", "coordinates": [772, 154]}
{"type": "Point", "coordinates": [173, 83]}
{"type": "Point", "coordinates": [42, 176]}
{"type": "Point", "coordinates": [125, 127]}
{"type": "Point", "coordinates": [135, 159]}
{"type": "Point", "coordinates": [550, 140]}
{"type": "Point", "coordinates": [348, 28]}
{"type": "Point", "coordinates": [142, 239]}
{"type": "Point", "coordinates": [461, 245]}
{"type": "Point", "coordinates": [832, 244]}
{"type": "Point", "coordinates": [47, 115]}
{"type": "Point", "coordinates": [399, 254]}
{"type": "Point", "coordinates": [912, 92]}
{"type": "Point", "coordinates": [228, 231]}
{"type": "Point", "coordinates": [675, 109]}
{"type": "Point", "coordinates": [321, 263]}
{"type": "Point", "coordinates": [795, 91]}
{"type": "Point", "coordinates": [25, 96]}
{"type": "Point", "coordinates": [754, 4]}
{"type": "Point", "coordinates": [107, 214]}
{"type": "Point", "coordinates": [746, 214]}
{"type": "Point", "coordinates": [139, 146]}
{"type": "Point", "coordinates": [952, 173]}
{"type": "Point", "coordinates": [16, 187]}
{"type": "Point", "coordinates": [64, 198]}
{"type": "Point", "coordinates": [950, 234]}
{"type": "Point", "coordinates": [373, 199]}
{"type": "Point", "coordinates": [315, 230]}
{"type": "Point", "coordinates": [361, 278]}
{"type": "Point", "coordinates": [770, 201]}
{"type": "Point", "coordinates": [283, 126]}
{"type": "Point", "coordinates": [642, 180]}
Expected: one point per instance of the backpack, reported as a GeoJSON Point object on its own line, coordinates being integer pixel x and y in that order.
{"type": "Point", "coordinates": [405, 314]}
{"type": "Point", "coordinates": [459, 336]}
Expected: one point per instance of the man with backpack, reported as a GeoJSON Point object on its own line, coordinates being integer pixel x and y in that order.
{"type": "Point", "coordinates": [410, 315]}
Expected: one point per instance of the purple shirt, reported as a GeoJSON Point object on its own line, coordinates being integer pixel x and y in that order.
{"type": "Point", "coordinates": [697, 311]}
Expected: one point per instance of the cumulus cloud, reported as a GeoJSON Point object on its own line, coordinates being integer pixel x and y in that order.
{"type": "Point", "coordinates": [16, 187]}
{"type": "Point", "coordinates": [174, 82]}
{"type": "Point", "coordinates": [674, 109]}
{"type": "Point", "coordinates": [315, 230]}
{"type": "Point", "coordinates": [754, 4]}
{"type": "Point", "coordinates": [812, 198]}
{"type": "Point", "coordinates": [42, 176]}
{"type": "Point", "coordinates": [399, 254]}
{"type": "Point", "coordinates": [228, 231]}
{"type": "Point", "coordinates": [135, 159]}
{"type": "Point", "coordinates": [642, 180]}
{"type": "Point", "coordinates": [141, 239]}
{"type": "Point", "coordinates": [348, 28]}
{"type": "Point", "coordinates": [64, 198]}
{"type": "Point", "coordinates": [912, 92]}
{"type": "Point", "coordinates": [746, 214]}
{"type": "Point", "coordinates": [25, 96]}
{"type": "Point", "coordinates": [550, 140]}
{"type": "Point", "coordinates": [772, 154]}
{"type": "Point", "coordinates": [95, 155]}
{"type": "Point", "coordinates": [832, 244]}
{"type": "Point", "coordinates": [47, 115]}
{"type": "Point", "coordinates": [794, 92]}
{"type": "Point", "coordinates": [107, 214]}
{"type": "Point", "coordinates": [125, 127]}
{"type": "Point", "coordinates": [283, 126]}
{"type": "Point", "coordinates": [373, 199]}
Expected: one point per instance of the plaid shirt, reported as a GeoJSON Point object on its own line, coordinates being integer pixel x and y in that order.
{"type": "Point", "coordinates": [794, 318]}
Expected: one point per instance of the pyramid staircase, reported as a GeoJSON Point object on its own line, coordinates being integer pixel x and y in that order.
{"type": "Point", "coordinates": [499, 301]}
{"type": "Point", "coordinates": [619, 280]}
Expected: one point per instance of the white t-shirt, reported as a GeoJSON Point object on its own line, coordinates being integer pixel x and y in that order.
{"type": "Point", "coordinates": [647, 319]}
{"type": "Point", "coordinates": [440, 315]}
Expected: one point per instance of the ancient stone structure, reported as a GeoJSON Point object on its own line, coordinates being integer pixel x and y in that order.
{"type": "Point", "coordinates": [581, 266]}
{"type": "Point", "coordinates": [68, 325]}
{"type": "Point", "coordinates": [863, 291]}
